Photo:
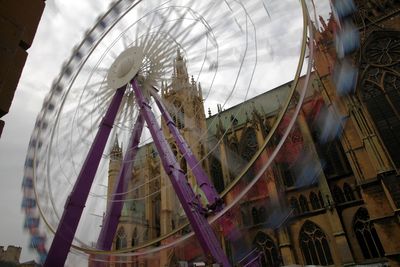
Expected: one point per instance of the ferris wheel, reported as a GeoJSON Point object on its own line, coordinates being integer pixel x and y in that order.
{"type": "Point", "coordinates": [113, 88]}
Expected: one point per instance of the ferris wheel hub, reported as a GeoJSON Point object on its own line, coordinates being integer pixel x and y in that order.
{"type": "Point", "coordinates": [125, 67]}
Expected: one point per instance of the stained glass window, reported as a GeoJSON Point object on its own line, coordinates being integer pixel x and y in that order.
{"type": "Point", "coordinates": [338, 195]}
{"type": "Point", "coordinates": [121, 241]}
{"type": "Point", "coordinates": [304, 204]}
{"type": "Point", "coordinates": [315, 204]}
{"type": "Point", "coordinates": [380, 87]}
{"type": "Point", "coordinates": [314, 245]}
{"type": "Point", "coordinates": [269, 256]}
{"type": "Point", "coordinates": [348, 192]}
{"type": "Point", "coordinates": [366, 235]}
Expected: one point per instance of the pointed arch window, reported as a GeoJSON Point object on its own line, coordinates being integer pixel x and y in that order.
{"type": "Point", "coordinates": [216, 171]}
{"type": "Point", "coordinates": [304, 204]}
{"type": "Point", "coordinates": [321, 199]}
{"type": "Point", "coordinates": [366, 235]}
{"type": "Point", "coordinates": [262, 214]}
{"type": "Point", "coordinates": [288, 178]}
{"type": "Point", "coordinates": [249, 145]}
{"type": "Point", "coordinates": [294, 204]}
{"type": "Point", "coordinates": [156, 201]}
{"type": "Point", "coordinates": [248, 148]}
{"type": "Point", "coordinates": [255, 215]}
{"type": "Point", "coordinates": [234, 160]}
{"type": "Point", "coordinates": [134, 237]}
{"type": "Point", "coordinates": [348, 192]}
{"type": "Point", "coordinates": [121, 241]}
{"type": "Point", "coordinates": [380, 87]}
{"type": "Point", "coordinates": [315, 204]}
{"type": "Point", "coordinates": [269, 256]}
{"type": "Point", "coordinates": [338, 195]}
{"type": "Point", "coordinates": [314, 245]}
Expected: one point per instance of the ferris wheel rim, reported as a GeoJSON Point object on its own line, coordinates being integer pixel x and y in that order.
{"type": "Point", "coordinates": [237, 179]}
{"type": "Point", "coordinates": [125, 252]}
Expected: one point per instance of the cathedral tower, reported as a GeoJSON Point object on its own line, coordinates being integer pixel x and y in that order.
{"type": "Point", "coordinates": [183, 99]}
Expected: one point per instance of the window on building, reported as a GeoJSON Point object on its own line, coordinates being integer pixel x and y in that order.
{"type": "Point", "coordinates": [262, 212]}
{"type": "Point", "coordinates": [181, 119]}
{"type": "Point", "coordinates": [216, 172]}
{"type": "Point", "coordinates": [380, 87]}
{"type": "Point", "coordinates": [336, 163]}
{"type": "Point", "coordinates": [248, 148]}
{"type": "Point", "coordinates": [269, 256]}
{"type": "Point", "coordinates": [248, 144]}
{"type": "Point", "coordinates": [156, 211]}
{"type": "Point", "coordinates": [121, 241]}
{"type": "Point", "coordinates": [321, 199]}
{"type": "Point", "coordinates": [338, 195]}
{"type": "Point", "coordinates": [134, 237]}
{"type": "Point", "coordinates": [314, 245]}
{"type": "Point", "coordinates": [294, 204]}
{"type": "Point", "coordinates": [366, 235]}
{"type": "Point", "coordinates": [234, 160]}
{"type": "Point", "coordinates": [304, 204]}
{"type": "Point", "coordinates": [348, 192]}
{"type": "Point", "coordinates": [315, 204]}
{"type": "Point", "coordinates": [255, 215]}
{"type": "Point", "coordinates": [287, 175]}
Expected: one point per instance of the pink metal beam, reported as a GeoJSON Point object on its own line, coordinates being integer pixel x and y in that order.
{"type": "Point", "coordinates": [77, 199]}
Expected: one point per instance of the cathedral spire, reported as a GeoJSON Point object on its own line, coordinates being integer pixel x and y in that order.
{"type": "Point", "coordinates": [180, 67]}
{"type": "Point", "coordinates": [116, 150]}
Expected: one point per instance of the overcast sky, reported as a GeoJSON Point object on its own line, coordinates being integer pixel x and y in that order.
{"type": "Point", "coordinates": [61, 27]}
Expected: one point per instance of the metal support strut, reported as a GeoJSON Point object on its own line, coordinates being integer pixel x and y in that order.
{"type": "Point", "coordinates": [215, 202]}
{"type": "Point", "coordinates": [187, 197]}
{"type": "Point", "coordinates": [111, 219]}
{"type": "Point", "coordinates": [77, 199]}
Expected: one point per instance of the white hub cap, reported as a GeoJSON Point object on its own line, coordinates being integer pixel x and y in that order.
{"type": "Point", "coordinates": [125, 67]}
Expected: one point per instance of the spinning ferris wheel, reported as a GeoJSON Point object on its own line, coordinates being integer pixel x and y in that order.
{"type": "Point", "coordinates": [113, 85]}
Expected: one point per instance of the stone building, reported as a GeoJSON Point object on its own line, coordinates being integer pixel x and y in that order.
{"type": "Point", "coordinates": [10, 256]}
{"type": "Point", "coordinates": [18, 23]}
{"type": "Point", "coordinates": [345, 214]}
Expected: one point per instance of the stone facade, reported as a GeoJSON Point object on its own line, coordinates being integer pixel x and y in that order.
{"type": "Point", "coordinates": [347, 215]}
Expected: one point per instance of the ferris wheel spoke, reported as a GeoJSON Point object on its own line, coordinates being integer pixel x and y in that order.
{"type": "Point", "coordinates": [125, 41]}
{"type": "Point", "coordinates": [152, 41]}
{"type": "Point", "coordinates": [217, 38]}
{"type": "Point", "coordinates": [102, 96]}
{"type": "Point", "coordinates": [96, 89]}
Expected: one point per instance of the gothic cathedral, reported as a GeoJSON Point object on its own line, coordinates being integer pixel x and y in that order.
{"type": "Point", "coordinates": [348, 215]}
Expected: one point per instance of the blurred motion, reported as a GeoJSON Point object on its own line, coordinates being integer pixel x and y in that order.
{"type": "Point", "coordinates": [345, 77]}
{"type": "Point", "coordinates": [295, 175]}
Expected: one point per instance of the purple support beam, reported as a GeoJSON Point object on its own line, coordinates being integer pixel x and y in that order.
{"type": "Point", "coordinates": [111, 219]}
{"type": "Point", "coordinates": [190, 202]}
{"type": "Point", "coordinates": [215, 202]}
{"type": "Point", "coordinates": [77, 199]}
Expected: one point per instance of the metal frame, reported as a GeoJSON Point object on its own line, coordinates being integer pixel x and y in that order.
{"type": "Point", "coordinates": [191, 203]}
